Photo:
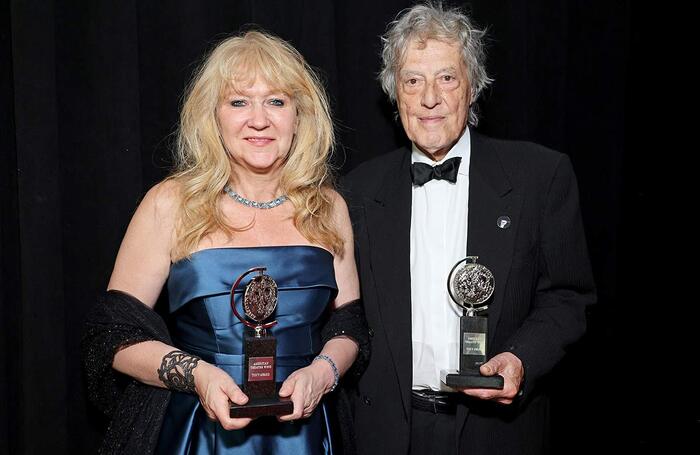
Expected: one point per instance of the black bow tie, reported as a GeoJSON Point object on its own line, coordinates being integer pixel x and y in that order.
{"type": "Point", "coordinates": [422, 173]}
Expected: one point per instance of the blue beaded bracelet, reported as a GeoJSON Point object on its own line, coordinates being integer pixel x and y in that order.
{"type": "Point", "coordinates": [336, 374]}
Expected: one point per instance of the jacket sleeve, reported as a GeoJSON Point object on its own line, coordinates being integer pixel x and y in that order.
{"type": "Point", "coordinates": [564, 285]}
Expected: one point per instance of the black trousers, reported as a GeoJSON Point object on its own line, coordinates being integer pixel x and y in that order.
{"type": "Point", "coordinates": [432, 433]}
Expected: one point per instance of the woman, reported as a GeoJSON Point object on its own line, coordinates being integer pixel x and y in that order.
{"type": "Point", "coordinates": [252, 188]}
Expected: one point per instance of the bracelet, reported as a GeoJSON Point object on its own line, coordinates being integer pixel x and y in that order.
{"type": "Point", "coordinates": [336, 375]}
{"type": "Point", "coordinates": [176, 371]}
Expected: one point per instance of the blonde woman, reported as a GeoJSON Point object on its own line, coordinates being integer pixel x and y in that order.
{"type": "Point", "coordinates": [252, 188]}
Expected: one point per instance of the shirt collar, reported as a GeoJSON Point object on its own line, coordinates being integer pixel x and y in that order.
{"type": "Point", "coordinates": [462, 149]}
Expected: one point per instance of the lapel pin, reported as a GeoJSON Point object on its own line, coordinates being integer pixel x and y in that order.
{"type": "Point", "coordinates": [503, 222]}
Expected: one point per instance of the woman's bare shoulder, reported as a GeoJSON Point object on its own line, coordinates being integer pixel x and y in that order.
{"type": "Point", "coordinates": [337, 201]}
{"type": "Point", "coordinates": [340, 213]}
{"type": "Point", "coordinates": [164, 197]}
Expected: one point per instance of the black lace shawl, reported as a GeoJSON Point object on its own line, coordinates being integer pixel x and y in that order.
{"type": "Point", "coordinates": [135, 409]}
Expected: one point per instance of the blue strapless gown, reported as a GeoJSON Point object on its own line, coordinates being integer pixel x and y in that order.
{"type": "Point", "coordinates": [203, 324]}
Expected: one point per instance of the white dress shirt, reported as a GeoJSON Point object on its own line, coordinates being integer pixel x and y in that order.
{"type": "Point", "coordinates": [438, 242]}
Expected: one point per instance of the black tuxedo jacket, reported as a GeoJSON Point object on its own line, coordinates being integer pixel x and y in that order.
{"type": "Point", "coordinates": [543, 283]}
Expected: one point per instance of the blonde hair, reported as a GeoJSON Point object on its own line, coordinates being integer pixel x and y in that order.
{"type": "Point", "coordinates": [202, 163]}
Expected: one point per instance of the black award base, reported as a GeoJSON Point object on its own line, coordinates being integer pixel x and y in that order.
{"type": "Point", "coordinates": [263, 406]}
{"type": "Point", "coordinates": [473, 334]}
{"type": "Point", "coordinates": [259, 381]}
{"type": "Point", "coordinates": [470, 380]}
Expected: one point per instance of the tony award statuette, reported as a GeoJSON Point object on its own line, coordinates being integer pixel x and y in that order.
{"type": "Point", "coordinates": [471, 285]}
{"type": "Point", "coordinates": [259, 348]}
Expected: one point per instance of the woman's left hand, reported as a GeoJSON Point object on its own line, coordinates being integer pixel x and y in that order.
{"type": "Point", "coordinates": [306, 387]}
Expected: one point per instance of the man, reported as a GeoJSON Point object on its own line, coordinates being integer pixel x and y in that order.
{"type": "Point", "coordinates": [512, 204]}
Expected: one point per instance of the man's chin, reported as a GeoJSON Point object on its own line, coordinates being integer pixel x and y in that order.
{"type": "Point", "coordinates": [433, 149]}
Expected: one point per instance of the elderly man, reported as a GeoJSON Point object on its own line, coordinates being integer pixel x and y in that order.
{"type": "Point", "coordinates": [417, 212]}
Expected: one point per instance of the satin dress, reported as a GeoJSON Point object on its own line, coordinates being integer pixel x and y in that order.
{"type": "Point", "coordinates": [203, 324]}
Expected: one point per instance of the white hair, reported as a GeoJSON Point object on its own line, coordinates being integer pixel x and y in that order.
{"type": "Point", "coordinates": [432, 21]}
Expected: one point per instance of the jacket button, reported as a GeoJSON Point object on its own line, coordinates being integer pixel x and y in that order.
{"type": "Point", "coordinates": [366, 400]}
{"type": "Point", "coordinates": [371, 333]}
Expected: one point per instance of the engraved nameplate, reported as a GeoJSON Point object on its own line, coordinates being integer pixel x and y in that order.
{"type": "Point", "coordinates": [474, 343]}
{"type": "Point", "coordinates": [261, 368]}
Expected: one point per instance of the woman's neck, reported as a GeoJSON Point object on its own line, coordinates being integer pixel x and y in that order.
{"type": "Point", "coordinates": [256, 187]}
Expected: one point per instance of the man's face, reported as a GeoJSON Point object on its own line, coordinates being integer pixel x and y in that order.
{"type": "Point", "coordinates": [433, 95]}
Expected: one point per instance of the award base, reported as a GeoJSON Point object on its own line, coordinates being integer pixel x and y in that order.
{"type": "Point", "coordinates": [263, 406]}
{"type": "Point", "coordinates": [259, 381]}
{"type": "Point", "coordinates": [470, 380]}
{"type": "Point", "coordinates": [473, 330]}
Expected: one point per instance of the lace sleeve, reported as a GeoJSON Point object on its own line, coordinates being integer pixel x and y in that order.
{"type": "Point", "coordinates": [349, 320]}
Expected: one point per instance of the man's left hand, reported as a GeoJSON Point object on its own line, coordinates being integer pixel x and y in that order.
{"type": "Point", "coordinates": [511, 368]}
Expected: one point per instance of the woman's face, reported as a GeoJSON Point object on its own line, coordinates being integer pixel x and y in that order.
{"type": "Point", "coordinates": [257, 124]}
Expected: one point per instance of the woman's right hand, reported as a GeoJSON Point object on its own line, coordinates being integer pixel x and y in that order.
{"type": "Point", "coordinates": [215, 388]}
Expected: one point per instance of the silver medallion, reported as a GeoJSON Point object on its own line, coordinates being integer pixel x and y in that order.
{"type": "Point", "coordinates": [260, 298]}
{"type": "Point", "coordinates": [470, 284]}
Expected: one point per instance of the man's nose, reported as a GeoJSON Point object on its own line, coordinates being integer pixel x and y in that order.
{"type": "Point", "coordinates": [431, 96]}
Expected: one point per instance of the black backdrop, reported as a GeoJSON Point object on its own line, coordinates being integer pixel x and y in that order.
{"type": "Point", "coordinates": [90, 94]}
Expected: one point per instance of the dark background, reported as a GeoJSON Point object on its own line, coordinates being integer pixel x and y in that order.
{"type": "Point", "coordinates": [90, 92]}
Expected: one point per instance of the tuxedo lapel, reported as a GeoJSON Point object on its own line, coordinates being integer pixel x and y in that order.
{"type": "Point", "coordinates": [388, 218]}
{"type": "Point", "coordinates": [490, 198]}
